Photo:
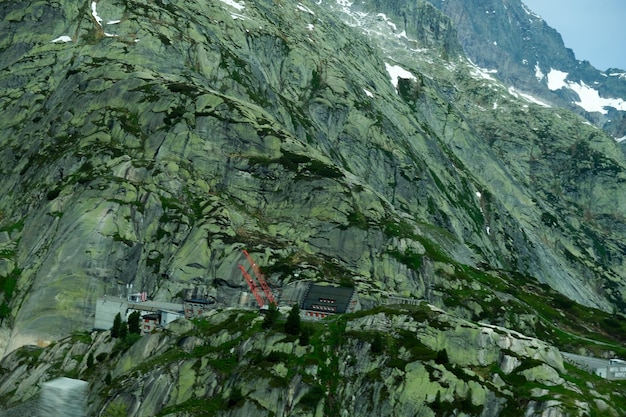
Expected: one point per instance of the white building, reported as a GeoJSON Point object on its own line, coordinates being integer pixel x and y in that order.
{"type": "Point", "coordinates": [108, 307]}
{"type": "Point", "coordinates": [605, 368]}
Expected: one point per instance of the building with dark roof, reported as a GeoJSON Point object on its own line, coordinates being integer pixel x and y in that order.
{"type": "Point", "coordinates": [196, 307]}
{"type": "Point", "coordinates": [321, 301]}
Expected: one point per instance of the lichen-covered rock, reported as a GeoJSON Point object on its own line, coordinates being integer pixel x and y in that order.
{"type": "Point", "coordinates": [180, 134]}
{"type": "Point", "coordinates": [352, 366]}
{"type": "Point", "coordinates": [147, 143]}
{"type": "Point", "coordinates": [543, 374]}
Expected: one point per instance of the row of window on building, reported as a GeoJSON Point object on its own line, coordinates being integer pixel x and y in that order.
{"type": "Point", "coordinates": [316, 315]}
{"type": "Point", "coordinates": [324, 308]}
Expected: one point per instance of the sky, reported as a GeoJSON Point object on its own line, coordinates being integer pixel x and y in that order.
{"type": "Point", "coordinates": [593, 29]}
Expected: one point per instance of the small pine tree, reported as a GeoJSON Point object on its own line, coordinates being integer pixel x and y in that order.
{"type": "Point", "coordinates": [378, 344]}
{"type": "Point", "coordinates": [5, 311]}
{"type": "Point", "coordinates": [117, 323]}
{"type": "Point", "coordinates": [236, 398]}
{"type": "Point", "coordinates": [90, 360]}
{"type": "Point", "coordinates": [123, 330]}
{"type": "Point", "coordinates": [292, 325]}
{"type": "Point", "coordinates": [442, 357]}
{"type": "Point", "coordinates": [271, 316]}
{"type": "Point", "coordinates": [107, 378]}
{"type": "Point", "coordinates": [436, 404]}
{"type": "Point", "coordinates": [133, 323]}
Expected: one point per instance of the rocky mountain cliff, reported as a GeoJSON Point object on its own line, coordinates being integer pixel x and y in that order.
{"type": "Point", "coordinates": [147, 143]}
{"type": "Point", "coordinates": [391, 362]}
{"type": "Point", "coordinates": [527, 53]}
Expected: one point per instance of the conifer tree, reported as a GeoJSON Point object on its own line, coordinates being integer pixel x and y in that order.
{"type": "Point", "coordinates": [292, 325]}
{"type": "Point", "coordinates": [5, 311]}
{"type": "Point", "coordinates": [442, 357]}
{"type": "Point", "coordinates": [90, 360]}
{"type": "Point", "coordinates": [123, 330]}
{"type": "Point", "coordinates": [133, 322]}
{"type": "Point", "coordinates": [378, 343]}
{"type": "Point", "coordinates": [271, 316]}
{"type": "Point", "coordinates": [117, 323]}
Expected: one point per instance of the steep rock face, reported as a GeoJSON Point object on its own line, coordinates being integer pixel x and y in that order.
{"type": "Point", "coordinates": [421, 22]}
{"type": "Point", "coordinates": [415, 361]}
{"type": "Point", "coordinates": [513, 144]}
{"type": "Point", "coordinates": [137, 168]}
{"type": "Point", "coordinates": [162, 138]}
{"type": "Point", "coordinates": [509, 37]}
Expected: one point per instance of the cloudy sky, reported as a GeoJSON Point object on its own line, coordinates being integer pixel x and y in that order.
{"type": "Point", "coordinates": [594, 29]}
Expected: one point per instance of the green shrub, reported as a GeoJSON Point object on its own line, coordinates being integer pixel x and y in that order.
{"type": "Point", "coordinates": [311, 399]}
{"type": "Point", "coordinates": [276, 357]}
{"type": "Point", "coordinates": [52, 194]}
{"type": "Point", "coordinates": [305, 335]}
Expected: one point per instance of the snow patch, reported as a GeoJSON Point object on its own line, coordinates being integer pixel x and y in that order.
{"type": "Point", "coordinates": [345, 5]}
{"type": "Point", "coordinates": [530, 12]}
{"type": "Point", "coordinates": [232, 3]}
{"type": "Point", "coordinates": [310, 26]}
{"type": "Point", "coordinates": [368, 93]}
{"type": "Point", "coordinates": [590, 99]}
{"type": "Point", "coordinates": [304, 9]}
{"type": "Point", "coordinates": [556, 79]}
{"type": "Point", "coordinates": [620, 140]}
{"type": "Point", "coordinates": [527, 97]}
{"type": "Point", "coordinates": [386, 20]}
{"type": "Point", "coordinates": [482, 73]}
{"type": "Point", "coordinates": [396, 71]}
{"type": "Point", "coordinates": [62, 39]}
{"type": "Point", "coordinates": [94, 12]}
{"type": "Point", "coordinates": [538, 73]}
{"type": "Point", "coordinates": [99, 20]}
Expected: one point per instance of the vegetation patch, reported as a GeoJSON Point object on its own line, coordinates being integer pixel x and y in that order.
{"type": "Point", "coordinates": [409, 258]}
{"type": "Point", "coordinates": [9, 283]}
{"type": "Point", "coordinates": [201, 407]}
